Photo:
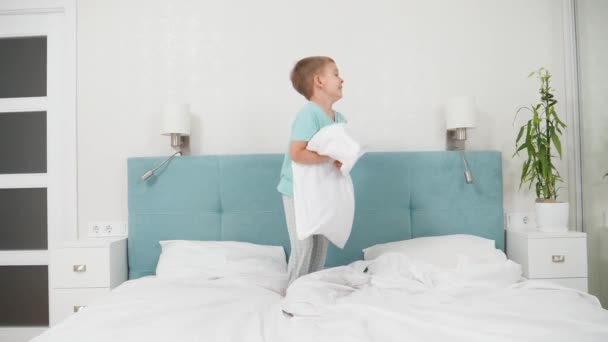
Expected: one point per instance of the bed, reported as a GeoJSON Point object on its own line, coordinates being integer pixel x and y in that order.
{"type": "Point", "coordinates": [400, 197]}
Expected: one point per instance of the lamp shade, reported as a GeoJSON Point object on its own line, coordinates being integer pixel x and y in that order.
{"type": "Point", "coordinates": [176, 119]}
{"type": "Point", "coordinates": [460, 112]}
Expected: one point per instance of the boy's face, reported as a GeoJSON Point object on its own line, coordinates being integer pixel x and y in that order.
{"type": "Point", "coordinates": [331, 83]}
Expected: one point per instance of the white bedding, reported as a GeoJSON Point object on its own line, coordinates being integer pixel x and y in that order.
{"type": "Point", "coordinates": [398, 299]}
{"type": "Point", "coordinates": [152, 309]}
{"type": "Point", "coordinates": [391, 298]}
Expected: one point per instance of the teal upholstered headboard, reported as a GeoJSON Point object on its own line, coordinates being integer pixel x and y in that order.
{"type": "Point", "coordinates": [398, 195]}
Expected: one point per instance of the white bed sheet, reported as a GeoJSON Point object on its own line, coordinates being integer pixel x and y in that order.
{"type": "Point", "coordinates": [398, 299]}
{"type": "Point", "coordinates": [152, 309]}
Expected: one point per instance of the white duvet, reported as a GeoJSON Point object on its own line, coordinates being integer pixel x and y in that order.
{"type": "Point", "coordinates": [397, 299]}
{"type": "Point", "coordinates": [152, 309]}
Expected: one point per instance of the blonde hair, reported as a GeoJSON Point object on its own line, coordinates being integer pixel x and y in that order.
{"type": "Point", "coordinates": [304, 71]}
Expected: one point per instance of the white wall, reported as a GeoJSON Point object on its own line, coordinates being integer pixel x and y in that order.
{"type": "Point", "coordinates": [401, 59]}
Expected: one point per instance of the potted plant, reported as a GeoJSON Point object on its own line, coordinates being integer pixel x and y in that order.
{"type": "Point", "coordinates": [539, 138]}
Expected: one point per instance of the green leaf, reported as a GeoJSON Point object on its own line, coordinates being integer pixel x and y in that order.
{"type": "Point", "coordinates": [521, 132]}
{"type": "Point", "coordinates": [531, 151]}
{"type": "Point", "coordinates": [557, 143]}
{"type": "Point", "coordinates": [528, 132]}
{"type": "Point", "coordinates": [559, 121]}
{"type": "Point", "coordinates": [521, 147]}
{"type": "Point", "coordinates": [524, 172]}
{"type": "Point", "coordinates": [544, 165]}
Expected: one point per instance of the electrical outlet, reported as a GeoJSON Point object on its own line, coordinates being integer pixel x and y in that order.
{"type": "Point", "coordinates": [104, 229]}
{"type": "Point", "coordinates": [521, 220]}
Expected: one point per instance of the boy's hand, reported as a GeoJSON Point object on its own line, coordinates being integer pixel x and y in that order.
{"type": "Point", "coordinates": [337, 164]}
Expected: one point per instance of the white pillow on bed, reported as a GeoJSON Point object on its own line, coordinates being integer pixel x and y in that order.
{"type": "Point", "coordinates": [445, 251]}
{"type": "Point", "coordinates": [184, 259]}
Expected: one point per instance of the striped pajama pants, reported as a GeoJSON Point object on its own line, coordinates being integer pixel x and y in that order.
{"type": "Point", "coordinates": [307, 255]}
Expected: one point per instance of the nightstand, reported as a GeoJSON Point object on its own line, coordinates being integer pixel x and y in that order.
{"type": "Point", "coordinates": [83, 270]}
{"type": "Point", "coordinates": [556, 257]}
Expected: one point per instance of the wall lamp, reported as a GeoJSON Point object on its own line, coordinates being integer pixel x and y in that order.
{"type": "Point", "coordinates": [460, 115]}
{"type": "Point", "coordinates": [176, 124]}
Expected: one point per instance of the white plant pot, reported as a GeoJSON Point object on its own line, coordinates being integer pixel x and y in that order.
{"type": "Point", "coordinates": [552, 217]}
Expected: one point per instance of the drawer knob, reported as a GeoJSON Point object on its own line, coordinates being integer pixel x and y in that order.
{"type": "Point", "coordinates": [558, 258]}
{"type": "Point", "coordinates": [79, 268]}
{"type": "Point", "coordinates": [78, 308]}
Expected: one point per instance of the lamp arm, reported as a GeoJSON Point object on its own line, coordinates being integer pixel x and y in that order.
{"type": "Point", "coordinates": [468, 176]}
{"type": "Point", "coordinates": [150, 172]}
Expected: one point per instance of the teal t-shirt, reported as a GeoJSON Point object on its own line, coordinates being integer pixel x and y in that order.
{"type": "Point", "coordinates": [307, 123]}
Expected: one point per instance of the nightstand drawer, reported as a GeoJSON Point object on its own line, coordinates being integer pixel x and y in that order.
{"type": "Point", "coordinates": [557, 258]}
{"type": "Point", "coordinates": [64, 302]}
{"type": "Point", "coordinates": [80, 267]}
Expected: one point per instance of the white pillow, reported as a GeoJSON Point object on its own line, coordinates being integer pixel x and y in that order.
{"type": "Point", "coordinates": [335, 142]}
{"type": "Point", "coordinates": [182, 259]}
{"type": "Point", "coordinates": [442, 251]}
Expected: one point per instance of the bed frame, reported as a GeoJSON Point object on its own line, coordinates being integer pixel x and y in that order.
{"type": "Point", "coordinates": [398, 195]}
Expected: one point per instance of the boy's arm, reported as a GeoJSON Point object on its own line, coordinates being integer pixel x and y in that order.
{"type": "Point", "coordinates": [301, 155]}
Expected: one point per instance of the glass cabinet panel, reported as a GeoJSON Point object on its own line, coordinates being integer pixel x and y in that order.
{"type": "Point", "coordinates": [23, 142]}
{"type": "Point", "coordinates": [23, 67]}
{"type": "Point", "coordinates": [24, 295]}
{"type": "Point", "coordinates": [23, 219]}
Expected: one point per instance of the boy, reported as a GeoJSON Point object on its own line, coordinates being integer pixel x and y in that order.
{"type": "Point", "coordinates": [318, 80]}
